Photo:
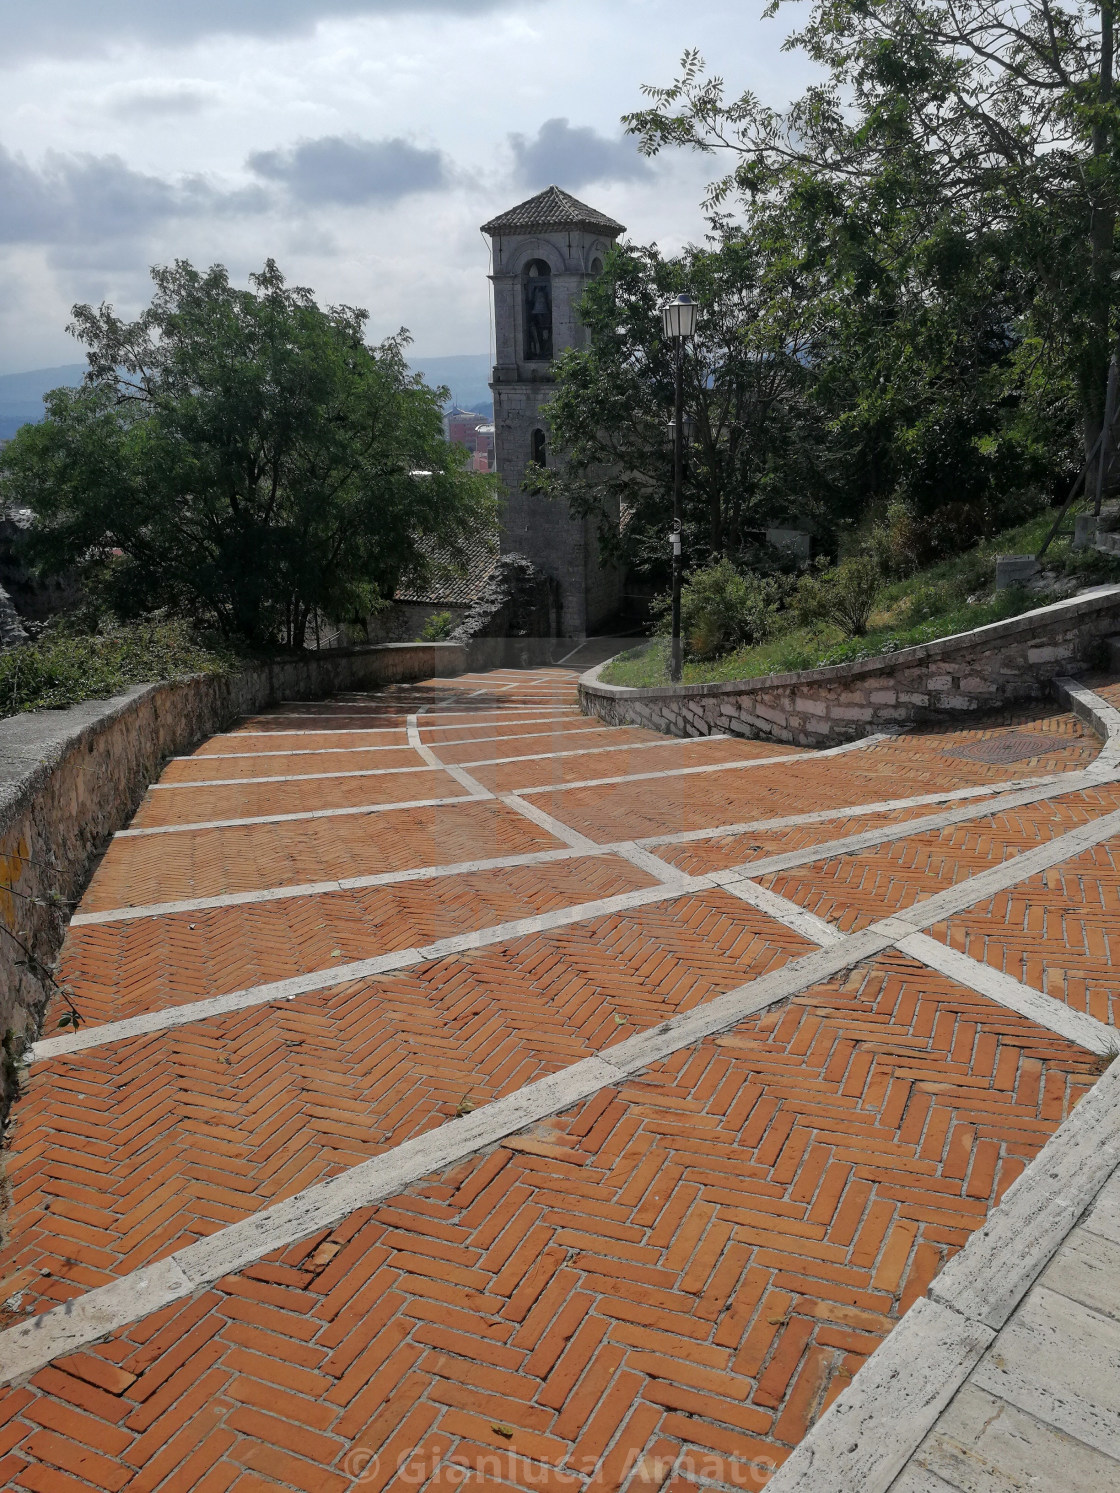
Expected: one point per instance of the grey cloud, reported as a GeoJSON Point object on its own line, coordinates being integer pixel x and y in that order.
{"type": "Point", "coordinates": [349, 170]}
{"type": "Point", "coordinates": [571, 156]}
{"type": "Point", "coordinates": [160, 101]}
{"type": "Point", "coordinates": [68, 27]}
{"type": "Point", "coordinates": [91, 199]}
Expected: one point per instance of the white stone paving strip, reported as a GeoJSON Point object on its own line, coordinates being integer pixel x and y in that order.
{"type": "Point", "coordinates": [626, 746]}
{"type": "Point", "coordinates": [847, 811]}
{"type": "Point", "coordinates": [464, 779]}
{"type": "Point", "coordinates": [295, 777]}
{"type": "Point", "coordinates": [411, 803]}
{"type": "Point", "coordinates": [342, 974]}
{"type": "Point", "coordinates": [570, 837]}
{"type": "Point", "coordinates": [684, 772]}
{"type": "Point", "coordinates": [1044, 1010]}
{"type": "Point", "coordinates": [540, 720]}
{"type": "Point", "coordinates": [392, 746]}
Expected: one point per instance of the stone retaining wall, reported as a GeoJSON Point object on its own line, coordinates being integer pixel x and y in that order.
{"type": "Point", "coordinates": [995, 665]}
{"type": "Point", "coordinates": [70, 778]}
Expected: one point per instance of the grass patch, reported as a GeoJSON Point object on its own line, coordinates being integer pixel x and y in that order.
{"type": "Point", "coordinates": [954, 596]}
{"type": "Point", "coordinates": [64, 667]}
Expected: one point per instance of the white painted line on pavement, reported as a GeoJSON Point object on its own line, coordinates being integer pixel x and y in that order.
{"type": "Point", "coordinates": [175, 829]}
{"type": "Point", "coordinates": [683, 772]}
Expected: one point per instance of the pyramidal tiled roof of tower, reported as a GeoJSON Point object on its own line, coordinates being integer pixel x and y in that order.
{"type": "Point", "coordinates": [550, 210]}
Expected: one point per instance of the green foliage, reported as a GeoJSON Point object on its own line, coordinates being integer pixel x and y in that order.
{"type": "Point", "coordinates": [438, 626]}
{"type": "Point", "coordinates": [67, 665]}
{"type": "Point", "coordinates": [844, 596]}
{"type": "Point", "coordinates": [950, 597]}
{"type": "Point", "coordinates": [751, 460]}
{"type": "Point", "coordinates": [242, 456]}
{"type": "Point", "coordinates": [946, 197]}
{"type": "Point", "coordinates": [721, 609]}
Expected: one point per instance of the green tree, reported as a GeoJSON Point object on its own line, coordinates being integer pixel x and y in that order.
{"type": "Point", "coordinates": [244, 456]}
{"type": "Point", "coordinates": [1000, 116]}
{"type": "Point", "coordinates": [750, 459]}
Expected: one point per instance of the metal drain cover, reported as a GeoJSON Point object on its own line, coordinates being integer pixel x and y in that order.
{"type": "Point", "coordinates": [1010, 748]}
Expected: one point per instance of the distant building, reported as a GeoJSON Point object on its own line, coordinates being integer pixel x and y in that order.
{"type": "Point", "coordinates": [475, 432]}
{"type": "Point", "coordinates": [545, 251]}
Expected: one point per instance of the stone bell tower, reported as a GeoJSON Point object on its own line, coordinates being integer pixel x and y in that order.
{"type": "Point", "coordinates": [544, 253]}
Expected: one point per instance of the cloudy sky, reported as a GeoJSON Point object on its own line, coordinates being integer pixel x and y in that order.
{"type": "Point", "coordinates": [358, 142]}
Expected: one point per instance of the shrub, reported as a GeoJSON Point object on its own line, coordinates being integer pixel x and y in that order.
{"type": "Point", "coordinates": [66, 665]}
{"type": "Point", "coordinates": [437, 627]}
{"type": "Point", "coordinates": [722, 609]}
{"type": "Point", "coordinates": [844, 596]}
{"type": "Point", "coordinates": [899, 543]}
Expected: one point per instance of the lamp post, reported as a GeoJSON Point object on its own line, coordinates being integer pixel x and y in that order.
{"type": "Point", "coordinates": [678, 317]}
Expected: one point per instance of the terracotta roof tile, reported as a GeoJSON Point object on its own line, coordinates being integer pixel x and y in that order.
{"type": "Point", "coordinates": [551, 209]}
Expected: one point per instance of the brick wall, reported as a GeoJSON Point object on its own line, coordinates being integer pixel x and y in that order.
{"type": "Point", "coordinates": [69, 779]}
{"type": "Point", "coordinates": [992, 666]}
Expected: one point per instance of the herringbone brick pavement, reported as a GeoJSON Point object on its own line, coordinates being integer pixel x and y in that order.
{"type": "Point", "coordinates": [619, 762]}
{"type": "Point", "coordinates": [1058, 932]}
{"type": "Point", "coordinates": [672, 1279]}
{"type": "Point", "coordinates": [147, 964]}
{"type": "Point", "coordinates": [210, 862]}
{"type": "Point", "coordinates": [187, 1130]}
{"type": "Point", "coordinates": [677, 1275]}
{"type": "Point", "coordinates": [853, 891]}
{"type": "Point", "coordinates": [909, 765]}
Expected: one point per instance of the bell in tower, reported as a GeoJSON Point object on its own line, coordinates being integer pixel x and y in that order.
{"type": "Point", "coordinates": [544, 252]}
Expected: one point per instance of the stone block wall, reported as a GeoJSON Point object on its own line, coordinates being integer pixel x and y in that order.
{"type": "Point", "coordinates": [1001, 664]}
{"type": "Point", "coordinates": [69, 779]}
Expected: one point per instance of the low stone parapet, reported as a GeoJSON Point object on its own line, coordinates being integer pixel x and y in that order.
{"type": "Point", "coordinates": [1000, 664]}
{"type": "Point", "coordinates": [69, 779]}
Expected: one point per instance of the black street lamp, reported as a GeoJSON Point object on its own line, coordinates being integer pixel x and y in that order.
{"type": "Point", "coordinates": [678, 317]}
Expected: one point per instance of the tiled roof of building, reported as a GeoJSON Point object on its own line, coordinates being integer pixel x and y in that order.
{"type": "Point", "coordinates": [451, 585]}
{"type": "Point", "coordinates": [552, 209]}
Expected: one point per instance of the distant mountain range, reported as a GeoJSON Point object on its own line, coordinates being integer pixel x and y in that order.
{"type": "Point", "coordinates": [21, 394]}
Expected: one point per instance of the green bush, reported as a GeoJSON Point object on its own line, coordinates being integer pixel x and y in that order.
{"type": "Point", "coordinates": [844, 596]}
{"type": "Point", "coordinates": [722, 609]}
{"type": "Point", "coordinates": [437, 627]}
{"type": "Point", "coordinates": [899, 543]}
{"type": "Point", "coordinates": [67, 665]}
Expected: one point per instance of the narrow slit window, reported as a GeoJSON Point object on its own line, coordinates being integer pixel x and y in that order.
{"type": "Point", "coordinates": [538, 448]}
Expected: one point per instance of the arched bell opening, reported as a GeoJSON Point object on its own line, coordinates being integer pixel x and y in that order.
{"type": "Point", "coordinates": [536, 281]}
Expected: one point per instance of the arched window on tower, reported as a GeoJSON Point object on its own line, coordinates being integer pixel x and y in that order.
{"type": "Point", "coordinates": [538, 448]}
{"type": "Point", "coordinates": [537, 292]}
{"type": "Point", "coordinates": [596, 266]}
